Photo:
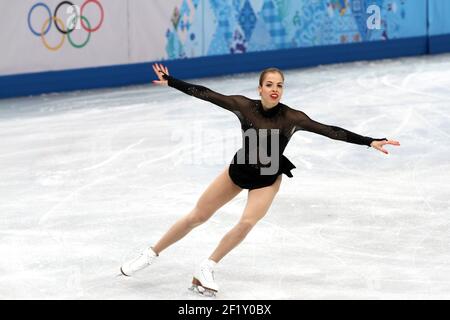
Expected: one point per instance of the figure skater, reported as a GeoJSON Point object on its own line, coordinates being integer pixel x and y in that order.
{"type": "Point", "coordinates": [267, 126]}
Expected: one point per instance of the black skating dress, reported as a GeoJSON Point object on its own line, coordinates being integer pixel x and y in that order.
{"type": "Point", "coordinates": [279, 122]}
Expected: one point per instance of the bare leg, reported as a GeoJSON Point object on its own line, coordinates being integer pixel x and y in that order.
{"type": "Point", "coordinates": [218, 193]}
{"type": "Point", "coordinates": [258, 203]}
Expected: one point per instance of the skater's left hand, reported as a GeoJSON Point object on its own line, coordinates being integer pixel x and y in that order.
{"type": "Point", "coordinates": [379, 145]}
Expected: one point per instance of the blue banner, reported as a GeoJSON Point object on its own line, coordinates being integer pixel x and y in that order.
{"type": "Point", "coordinates": [212, 27]}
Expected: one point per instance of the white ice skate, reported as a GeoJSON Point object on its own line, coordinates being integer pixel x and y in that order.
{"type": "Point", "coordinates": [146, 258]}
{"type": "Point", "coordinates": [203, 282]}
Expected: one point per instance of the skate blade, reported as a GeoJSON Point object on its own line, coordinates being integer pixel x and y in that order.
{"type": "Point", "coordinates": [123, 273]}
{"type": "Point", "coordinates": [201, 290]}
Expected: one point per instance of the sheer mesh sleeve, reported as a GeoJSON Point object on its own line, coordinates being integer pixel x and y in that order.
{"type": "Point", "coordinates": [303, 122]}
{"type": "Point", "coordinates": [232, 103]}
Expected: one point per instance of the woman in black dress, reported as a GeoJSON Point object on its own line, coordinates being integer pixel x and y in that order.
{"type": "Point", "coordinates": [267, 126]}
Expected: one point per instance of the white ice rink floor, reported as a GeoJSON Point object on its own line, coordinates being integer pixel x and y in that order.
{"type": "Point", "coordinates": [88, 179]}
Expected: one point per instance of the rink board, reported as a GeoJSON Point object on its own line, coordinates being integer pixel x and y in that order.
{"type": "Point", "coordinates": [89, 78]}
{"type": "Point", "coordinates": [200, 38]}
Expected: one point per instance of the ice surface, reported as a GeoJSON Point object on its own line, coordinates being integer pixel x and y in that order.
{"type": "Point", "coordinates": [90, 178]}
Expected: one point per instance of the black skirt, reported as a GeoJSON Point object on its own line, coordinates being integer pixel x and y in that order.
{"type": "Point", "coordinates": [248, 176]}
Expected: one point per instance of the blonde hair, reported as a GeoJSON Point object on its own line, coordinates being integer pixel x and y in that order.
{"type": "Point", "coordinates": [269, 70]}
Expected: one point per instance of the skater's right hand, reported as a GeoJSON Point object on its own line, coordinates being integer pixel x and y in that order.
{"type": "Point", "coordinates": [160, 70]}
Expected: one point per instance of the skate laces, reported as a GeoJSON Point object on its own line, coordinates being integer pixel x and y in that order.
{"type": "Point", "coordinates": [149, 256]}
{"type": "Point", "coordinates": [145, 258]}
{"type": "Point", "coordinates": [208, 270]}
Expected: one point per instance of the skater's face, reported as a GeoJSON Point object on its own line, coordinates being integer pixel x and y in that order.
{"type": "Point", "coordinates": [271, 89]}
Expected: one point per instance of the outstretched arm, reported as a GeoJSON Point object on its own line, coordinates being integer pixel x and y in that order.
{"type": "Point", "coordinates": [232, 103]}
{"type": "Point", "coordinates": [303, 122]}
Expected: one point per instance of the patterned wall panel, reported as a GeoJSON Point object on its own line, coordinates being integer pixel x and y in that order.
{"type": "Point", "coordinates": [213, 27]}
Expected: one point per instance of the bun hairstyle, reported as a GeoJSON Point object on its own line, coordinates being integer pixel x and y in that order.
{"type": "Point", "coordinates": [269, 70]}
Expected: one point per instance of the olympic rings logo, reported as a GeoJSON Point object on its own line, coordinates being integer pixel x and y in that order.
{"type": "Point", "coordinates": [77, 20]}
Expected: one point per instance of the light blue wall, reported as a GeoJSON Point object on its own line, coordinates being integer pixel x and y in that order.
{"type": "Point", "coordinates": [439, 17]}
{"type": "Point", "coordinates": [224, 27]}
